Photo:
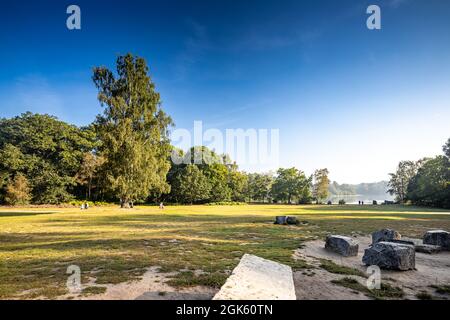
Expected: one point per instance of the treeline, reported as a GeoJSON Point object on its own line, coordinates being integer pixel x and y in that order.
{"type": "Point", "coordinates": [425, 182]}
{"type": "Point", "coordinates": [46, 161]}
{"type": "Point", "coordinates": [125, 155]}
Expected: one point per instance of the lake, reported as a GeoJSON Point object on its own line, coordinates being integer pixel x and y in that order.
{"type": "Point", "coordinates": [353, 199]}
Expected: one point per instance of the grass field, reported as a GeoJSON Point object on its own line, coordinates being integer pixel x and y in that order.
{"type": "Point", "coordinates": [37, 244]}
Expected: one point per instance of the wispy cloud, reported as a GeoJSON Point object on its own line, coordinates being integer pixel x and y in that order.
{"type": "Point", "coordinates": [194, 47]}
{"type": "Point", "coordinates": [396, 3]}
{"type": "Point", "coordinates": [32, 93]}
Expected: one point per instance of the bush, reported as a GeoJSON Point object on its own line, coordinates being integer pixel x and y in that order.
{"type": "Point", "coordinates": [79, 203]}
{"type": "Point", "coordinates": [18, 191]}
{"type": "Point", "coordinates": [342, 202]}
{"type": "Point", "coordinates": [225, 203]}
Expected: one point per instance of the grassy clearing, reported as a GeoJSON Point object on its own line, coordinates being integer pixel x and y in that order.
{"type": "Point", "coordinates": [385, 291]}
{"type": "Point", "coordinates": [113, 245]}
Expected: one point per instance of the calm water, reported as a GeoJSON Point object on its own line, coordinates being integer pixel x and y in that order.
{"type": "Point", "coordinates": [366, 198]}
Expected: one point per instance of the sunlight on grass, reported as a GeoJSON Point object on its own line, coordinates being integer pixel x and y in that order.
{"type": "Point", "coordinates": [113, 245]}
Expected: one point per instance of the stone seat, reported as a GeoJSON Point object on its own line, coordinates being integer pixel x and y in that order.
{"type": "Point", "coordinates": [437, 238]}
{"type": "Point", "coordinates": [286, 220]}
{"type": "Point", "coordinates": [428, 248]}
{"type": "Point", "coordinates": [390, 255]}
{"type": "Point", "coordinates": [385, 235]}
{"type": "Point", "coordinates": [345, 246]}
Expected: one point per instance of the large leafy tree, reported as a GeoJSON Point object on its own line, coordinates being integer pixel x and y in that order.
{"type": "Point", "coordinates": [398, 183]}
{"type": "Point", "coordinates": [431, 185]}
{"type": "Point", "coordinates": [133, 130]}
{"type": "Point", "coordinates": [48, 152]}
{"type": "Point", "coordinates": [291, 183]}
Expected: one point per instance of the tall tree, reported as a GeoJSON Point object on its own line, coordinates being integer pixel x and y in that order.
{"type": "Point", "coordinates": [321, 185]}
{"type": "Point", "coordinates": [133, 130]}
{"type": "Point", "coordinates": [88, 171]}
{"type": "Point", "coordinates": [398, 183]}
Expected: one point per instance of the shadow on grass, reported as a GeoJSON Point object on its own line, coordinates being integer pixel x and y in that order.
{"type": "Point", "coordinates": [374, 208]}
{"type": "Point", "coordinates": [23, 214]}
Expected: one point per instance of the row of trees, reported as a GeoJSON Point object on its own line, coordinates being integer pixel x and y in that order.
{"type": "Point", "coordinates": [126, 155]}
{"type": "Point", "coordinates": [425, 182]}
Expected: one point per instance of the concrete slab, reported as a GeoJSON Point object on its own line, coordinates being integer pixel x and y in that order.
{"type": "Point", "coordinates": [256, 278]}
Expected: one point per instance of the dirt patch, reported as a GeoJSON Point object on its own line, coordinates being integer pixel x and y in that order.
{"type": "Point", "coordinates": [431, 270]}
{"type": "Point", "coordinates": [152, 286]}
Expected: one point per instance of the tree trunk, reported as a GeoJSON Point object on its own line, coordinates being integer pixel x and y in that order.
{"type": "Point", "coordinates": [124, 203]}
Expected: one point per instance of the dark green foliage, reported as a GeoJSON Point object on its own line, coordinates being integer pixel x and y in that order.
{"type": "Point", "coordinates": [259, 187]}
{"type": "Point", "coordinates": [48, 152]}
{"type": "Point", "coordinates": [291, 184]}
{"type": "Point", "coordinates": [385, 291]}
{"type": "Point", "coordinates": [431, 185]}
{"type": "Point", "coordinates": [190, 185]}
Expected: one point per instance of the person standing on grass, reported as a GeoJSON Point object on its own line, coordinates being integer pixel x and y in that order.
{"type": "Point", "coordinates": [161, 206]}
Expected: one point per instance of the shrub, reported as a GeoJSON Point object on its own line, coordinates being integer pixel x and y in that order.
{"type": "Point", "coordinates": [18, 191]}
{"type": "Point", "coordinates": [79, 203]}
{"type": "Point", "coordinates": [342, 202]}
{"type": "Point", "coordinates": [226, 203]}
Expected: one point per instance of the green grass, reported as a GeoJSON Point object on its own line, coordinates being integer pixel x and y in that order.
{"type": "Point", "coordinates": [423, 295]}
{"type": "Point", "coordinates": [113, 245]}
{"type": "Point", "coordinates": [93, 290]}
{"type": "Point", "coordinates": [332, 267]}
{"type": "Point", "coordinates": [385, 291]}
{"type": "Point", "coordinates": [445, 289]}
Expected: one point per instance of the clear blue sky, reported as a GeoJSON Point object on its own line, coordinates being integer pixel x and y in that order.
{"type": "Point", "coordinates": [344, 97]}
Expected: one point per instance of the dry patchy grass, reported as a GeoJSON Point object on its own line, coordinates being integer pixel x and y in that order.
{"type": "Point", "coordinates": [113, 245]}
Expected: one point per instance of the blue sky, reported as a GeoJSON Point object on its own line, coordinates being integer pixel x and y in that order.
{"type": "Point", "coordinates": [344, 97]}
